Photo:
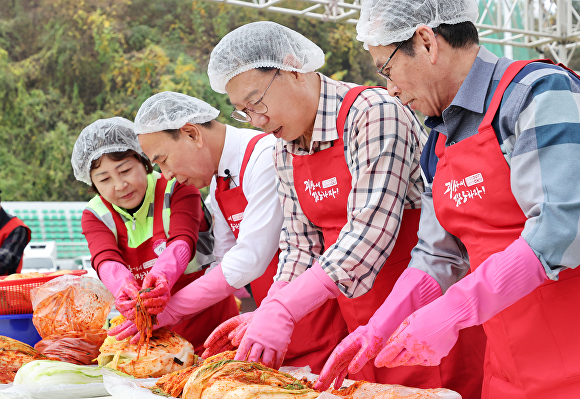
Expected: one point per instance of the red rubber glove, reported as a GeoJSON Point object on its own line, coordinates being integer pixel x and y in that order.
{"type": "Point", "coordinates": [229, 334]}
{"type": "Point", "coordinates": [128, 328]}
{"type": "Point", "coordinates": [163, 275]}
{"type": "Point", "coordinates": [413, 290]}
{"type": "Point", "coordinates": [268, 335]}
{"type": "Point", "coordinates": [126, 302]}
{"type": "Point", "coordinates": [122, 284]}
{"type": "Point", "coordinates": [429, 334]}
{"type": "Point", "coordinates": [124, 330]}
{"type": "Point", "coordinates": [189, 301]}
{"type": "Point", "coordinates": [159, 292]}
{"type": "Point", "coordinates": [219, 340]}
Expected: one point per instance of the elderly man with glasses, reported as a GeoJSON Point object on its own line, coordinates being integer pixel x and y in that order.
{"type": "Point", "coordinates": [347, 161]}
{"type": "Point", "coordinates": [503, 200]}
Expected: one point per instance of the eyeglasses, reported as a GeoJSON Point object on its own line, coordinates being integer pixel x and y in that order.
{"type": "Point", "coordinates": [382, 70]}
{"type": "Point", "coordinates": [257, 107]}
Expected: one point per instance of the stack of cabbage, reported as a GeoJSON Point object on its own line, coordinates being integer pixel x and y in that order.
{"type": "Point", "coordinates": [52, 372]}
{"type": "Point", "coordinates": [49, 379]}
{"type": "Point", "coordinates": [166, 352]}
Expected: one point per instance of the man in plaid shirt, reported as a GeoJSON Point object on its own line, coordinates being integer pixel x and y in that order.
{"type": "Point", "coordinates": [348, 163]}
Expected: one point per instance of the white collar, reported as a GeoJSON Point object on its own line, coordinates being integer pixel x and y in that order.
{"type": "Point", "coordinates": [230, 158]}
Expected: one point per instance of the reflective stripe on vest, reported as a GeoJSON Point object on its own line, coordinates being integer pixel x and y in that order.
{"type": "Point", "coordinates": [143, 230]}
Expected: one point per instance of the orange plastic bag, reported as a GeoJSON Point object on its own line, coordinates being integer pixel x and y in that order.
{"type": "Point", "coordinates": [74, 346]}
{"type": "Point", "coordinates": [70, 303]}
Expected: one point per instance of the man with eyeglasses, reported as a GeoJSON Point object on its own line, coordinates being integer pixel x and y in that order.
{"type": "Point", "coordinates": [181, 135]}
{"type": "Point", "coordinates": [349, 184]}
{"type": "Point", "coordinates": [503, 199]}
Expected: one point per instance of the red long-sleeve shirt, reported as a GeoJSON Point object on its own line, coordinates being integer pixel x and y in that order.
{"type": "Point", "coordinates": [186, 216]}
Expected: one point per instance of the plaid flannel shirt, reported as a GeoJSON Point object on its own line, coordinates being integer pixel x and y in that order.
{"type": "Point", "coordinates": [383, 141]}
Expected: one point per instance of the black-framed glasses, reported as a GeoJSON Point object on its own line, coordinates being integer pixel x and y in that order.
{"type": "Point", "coordinates": [382, 70]}
{"type": "Point", "coordinates": [257, 107]}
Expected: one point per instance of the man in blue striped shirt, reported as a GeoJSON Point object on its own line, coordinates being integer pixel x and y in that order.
{"type": "Point", "coordinates": [502, 199]}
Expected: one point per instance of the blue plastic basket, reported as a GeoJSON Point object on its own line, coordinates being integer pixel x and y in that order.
{"type": "Point", "coordinates": [19, 327]}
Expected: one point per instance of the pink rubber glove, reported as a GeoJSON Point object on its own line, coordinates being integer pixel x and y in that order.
{"type": "Point", "coordinates": [268, 335]}
{"type": "Point", "coordinates": [413, 290]}
{"type": "Point", "coordinates": [430, 333]}
{"type": "Point", "coordinates": [128, 328]}
{"type": "Point", "coordinates": [124, 330]}
{"type": "Point", "coordinates": [122, 284]}
{"type": "Point", "coordinates": [190, 300]}
{"type": "Point", "coordinates": [229, 334]}
{"type": "Point", "coordinates": [163, 275]}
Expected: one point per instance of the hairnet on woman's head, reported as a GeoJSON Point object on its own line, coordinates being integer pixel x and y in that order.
{"type": "Point", "coordinates": [102, 137]}
{"type": "Point", "coordinates": [169, 110]}
{"type": "Point", "coordinates": [383, 22]}
{"type": "Point", "coordinates": [261, 44]}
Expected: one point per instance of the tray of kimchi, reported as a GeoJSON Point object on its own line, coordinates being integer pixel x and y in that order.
{"type": "Point", "coordinates": [222, 377]}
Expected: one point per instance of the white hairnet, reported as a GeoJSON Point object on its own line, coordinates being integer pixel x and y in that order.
{"type": "Point", "coordinates": [102, 137]}
{"type": "Point", "coordinates": [261, 44]}
{"type": "Point", "coordinates": [169, 110]}
{"type": "Point", "coordinates": [383, 22]}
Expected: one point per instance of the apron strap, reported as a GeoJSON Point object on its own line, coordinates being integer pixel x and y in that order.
{"type": "Point", "coordinates": [122, 237]}
{"type": "Point", "coordinates": [222, 184]}
{"type": "Point", "coordinates": [440, 145]}
{"type": "Point", "coordinates": [504, 82]}
{"type": "Point", "coordinates": [248, 153]}
{"type": "Point", "coordinates": [509, 74]}
{"type": "Point", "coordinates": [158, 203]}
{"type": "Point", "coordinates": [157, 213]}
{"type": "Point", "coordinates": [347, 102]}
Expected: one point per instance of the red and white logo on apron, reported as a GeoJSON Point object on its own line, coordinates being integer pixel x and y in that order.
{"type": "Point", "coordinates": [235, 220]}
{"type": "Point", "coordinates": [466, 185]}
{"type": "Point", "coordinates": [321, 190]}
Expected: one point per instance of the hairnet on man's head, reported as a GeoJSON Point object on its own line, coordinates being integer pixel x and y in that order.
{"type": "Point", "coordinates": [169, 110]}
{"type": "Point", "coordinates": [383, 22]}
{"type": "Point", "coordinates": [261, 44]}
{"type": "Point", "coordinates": [103, 136]}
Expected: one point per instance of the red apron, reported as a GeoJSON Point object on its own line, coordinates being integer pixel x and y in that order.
{"type": "Point", "coordinates": [9, 228]}
{"type": "Point", "coordinates": [308, 337]}
{"type": "Point", "coordinates": [232, 203]}
{"type": "Point", "coordinates": [533, 346]}
{"type": "Point", "coordinates": [140, 260]}
{"type": "Point", "coordinates": [328, 181]}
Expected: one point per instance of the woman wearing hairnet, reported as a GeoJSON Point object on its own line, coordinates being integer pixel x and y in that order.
{"type": "Point", "coordinates": [502, 163]}
{"type": "Point", "coordinates": [141, 229]}
{"type": "Point", "coordinates": [350, 186]}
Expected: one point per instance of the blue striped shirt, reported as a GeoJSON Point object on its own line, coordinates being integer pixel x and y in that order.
{"type": "Point", "coordinates": [538, 129]}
